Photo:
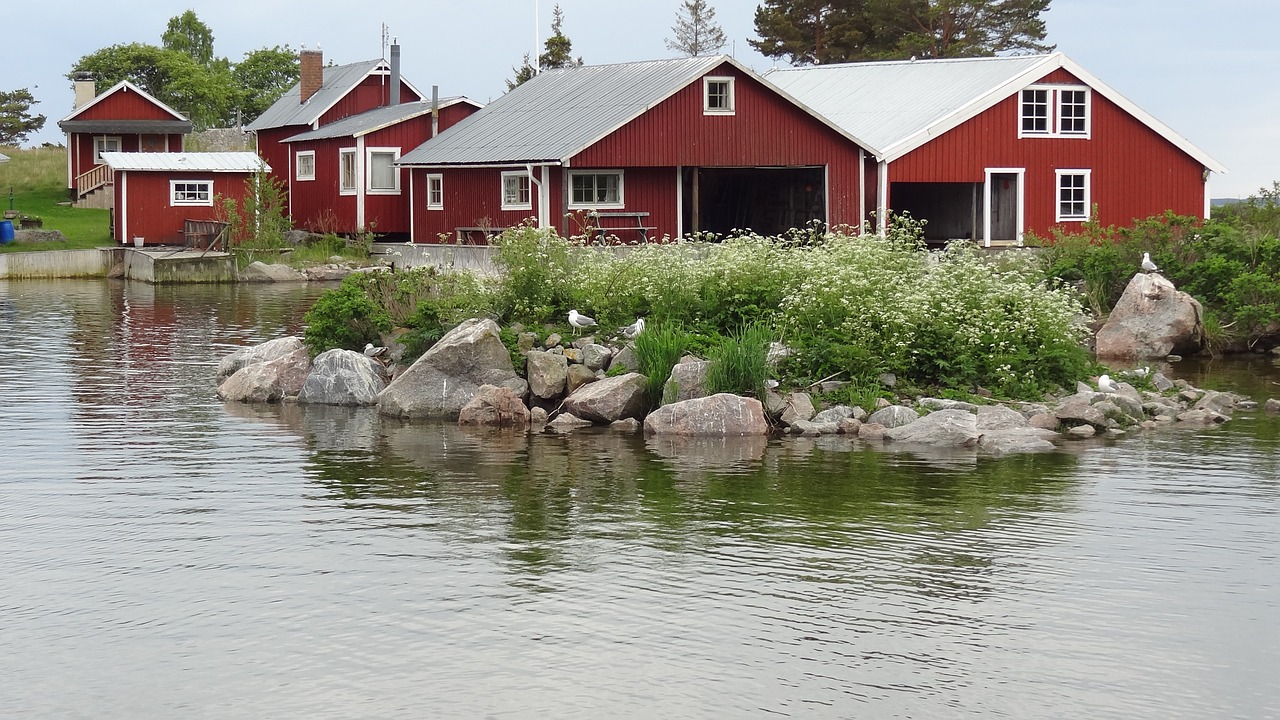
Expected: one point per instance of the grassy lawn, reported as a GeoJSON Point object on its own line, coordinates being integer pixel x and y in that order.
{"type": "Point", "coordinates": [37, 179]}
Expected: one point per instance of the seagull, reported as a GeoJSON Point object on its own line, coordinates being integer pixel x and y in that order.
{"type": "Point", "coordinates": [372, 352]}
{"type": "Point", "coordinates": [1143, 371]}
{"type": "Point", "coordinates": [634, 328]}
{"type": "Point", "coordinates": [579, 321]}
{"type": "Point", "coordinates": [1107, 385]}
{"type": "Point", "coordinates": [1147, 264]}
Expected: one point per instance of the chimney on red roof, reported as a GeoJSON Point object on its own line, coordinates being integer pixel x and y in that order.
{"type": "Point", "coordinates": [311, 70]}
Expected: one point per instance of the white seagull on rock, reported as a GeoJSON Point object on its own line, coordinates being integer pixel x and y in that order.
{"type": "Point", "coordinates": [1107, 385]}
{"type": "Point", "coordinates": [579, 321]}
{"type": "Point", "coordinates": [634, 328]}
{"type": "Point", "coordinates": [1147, 264]}
{"type": "Point", "coordinates": [373, 352]}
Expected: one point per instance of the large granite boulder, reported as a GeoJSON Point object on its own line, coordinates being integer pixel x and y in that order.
{"type": "Point", "coordinates": [720, 415]}
{"type": "Point", "coordinates": [893, 416]}
{"type": "Point", "coordinates": [448, 375]}
{"type": "Point", "coordinates": [688, 380]}
{"type": "Point", "coordinates": [258, 271]}
{"type": "Point", "coordinates": [264, 352]}
{"type": "Point", "coordinates": [496, 407]}
{"type": "Point", "coordinates": [610, 399]}
{"type": "Point", "coordinates": [547, 373]}
{"type": "Point", "coordinates": [1152, 320]}
{"type": "Point", "coordinates": [944, 428]}
{"type": "Point", "coordinates": [1010, 441]}
{"type": "Point", "coordinates": [342, 377]}
{"type": "Point", "coordinates": [270, 381]}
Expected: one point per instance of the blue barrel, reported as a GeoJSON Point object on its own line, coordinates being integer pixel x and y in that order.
{"type": "Point", "coordinates": [6, 232]}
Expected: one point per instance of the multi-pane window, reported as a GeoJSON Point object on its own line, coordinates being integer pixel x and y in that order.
{"type": "Point", "coordinates": [306, 165]}
{"type": "Point", "coordinates": [717, 95]}
{"type": "Point", "coordinates": [1073, 195]}
{"type": "Point", "coordinates": [191, 192]}
{"type": "Point", "coordinates": [347, 171]}
{"type": "Point", "coordinates": [1035, 111]}
{"type": "Point", "coordinates": [383, 174]}
{"type": "Point", "coordinates": [435, 192]}
{"type": "Point", "coordinates": [515, 191]}
{"type": "Point", "coordinates": [1054, 111]}
{"type": "Point", "coordinates": [104, 143]}
{"type": "Point", "coordinates": [1073, 112]}
{"type": "Point", "coordinates": [594, 190]}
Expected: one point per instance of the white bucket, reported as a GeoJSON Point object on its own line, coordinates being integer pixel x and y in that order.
{"type": "Point", "coordinates": [137, 242]}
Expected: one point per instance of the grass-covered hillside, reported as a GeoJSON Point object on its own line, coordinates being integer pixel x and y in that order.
{"type": "Point", "coordinates": [34, 183]}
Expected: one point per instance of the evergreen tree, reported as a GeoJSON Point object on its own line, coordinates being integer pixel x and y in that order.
{"type": "Point", "coordinates": [523, 74]}
{"type": "Point", "coordinates": [559, 53]}
{"type": "Point", "coordinates": [696, 30]}
{"type": "Point", "coordinates": [16, 120]}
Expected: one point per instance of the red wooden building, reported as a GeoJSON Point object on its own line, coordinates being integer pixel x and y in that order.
{"type": "Point", "coordinates": [991, 148]}
{"type": "Point", "coordinates": [156, 193]}
{"type": "Point", "coordinates": [122, 119]}
{"type": "Point", "coordinates": [641, 151]}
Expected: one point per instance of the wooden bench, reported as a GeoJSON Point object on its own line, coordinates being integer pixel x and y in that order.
{"type": "Point", "coordinates": [600, 231]}
{"type": "Point", "coordinates": [463, 234]}
{"type": "Point", "coordinates": [204, 234]}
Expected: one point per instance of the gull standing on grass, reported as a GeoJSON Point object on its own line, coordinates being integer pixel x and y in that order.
{"type": "Point", "coordinates": [1107, 385]}
{"type": "Point", "coordinates": [634, 329]}
{"type": "Point", "coordinates": [1147, 264]}
{"type": "Point", "coordinates": [579, 321]}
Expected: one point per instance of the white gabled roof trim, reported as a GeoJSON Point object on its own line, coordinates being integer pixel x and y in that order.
{"type": "Point", "coordinates": [127, 87]}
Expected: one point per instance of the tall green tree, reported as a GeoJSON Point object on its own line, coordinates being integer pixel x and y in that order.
{"type": "Point", "coordinates": [204, 94]}
{"type": "Point", "coordinates": [830, 31]}
{"type": "Point", "coordinates": [559, 48]}
{"type": "Point", "coordinates": [186, 33]}
{"type": "Point", "coordinates": [16, 120]}
{"type": "Point", "coordinates": [262, 77]}
{"type": "Point", "coordinates": [696, 31]}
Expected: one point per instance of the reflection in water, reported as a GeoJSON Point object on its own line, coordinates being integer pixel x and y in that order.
{"type": "Point", "coordinates": [171, 552]}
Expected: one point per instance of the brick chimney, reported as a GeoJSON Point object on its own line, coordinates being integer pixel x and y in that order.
{"type": "Point", "coordinates": [311, 67]}
{"type": "Point", "coordinates": [86, 88]}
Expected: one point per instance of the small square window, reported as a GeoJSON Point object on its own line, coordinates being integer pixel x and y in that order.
{"type": "Point", "coordinates": [1073, 114]}
{"type": "Point", "coordinates": [1073, 195]}
{"type": "Point", "coordinates": [1035, 111]}
{"type": "Point", "coordinates": [306, 165]}
{"type": "Point", "coordinates": [191, 192]}
{"type": "Point", "coordinates": [104, 143]}
{"type": "Point", "coordinates": [435, 192]}
{"type": "Point", "coordinates": [717, 95]}
{"type": "Point", "coordinates": [516, 193]}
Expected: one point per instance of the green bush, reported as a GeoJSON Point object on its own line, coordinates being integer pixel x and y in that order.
{"type": "Point", "coordinates": [658, 349]}
{"type": "Point", "coordinates": [344, 318]}
{"type": "Point", "coordinates": [739, 363]}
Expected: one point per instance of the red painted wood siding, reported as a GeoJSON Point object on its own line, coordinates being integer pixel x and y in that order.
{"type": "Point", "coordinates": [374, 91]}
{"type": "Point", "coordinates": [277, 153]}
{"type": "Point", "coordinates": [124, 104]}
{"type": "Point", "coordinates": [82, 144]}
{"type": "Point", "coordinates": [1136, 173]}
{"type": "Point", "coordinates": [472, 198]}
{"type": "Point", "coordinates": [149, 213]}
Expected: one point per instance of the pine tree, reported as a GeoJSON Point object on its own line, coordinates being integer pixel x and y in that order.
{"type": "Point", "coordinates": [559, 53]}
{"type": "Point", "coordinates": [696, 30]}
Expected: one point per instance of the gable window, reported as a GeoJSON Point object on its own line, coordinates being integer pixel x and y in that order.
{"type": "Point", "coordinates": [1073, 195]}
{"type": "Point", "coordinates": [717, 95]}
{"type": "Point", "coordinates": [191, 192]}
{"type": "Point", "coordinates": [1054, 111]}
{"type": "Point", "coordinates": [435, 192]}
{"type": "Point", "coordinates": [347, 171]}
{"type": "Point", "coordinates": [515, 191]}
{"type": "Point", "coordinates": [384, 176]}
{"type": "Point", "coordinates": [104, 143]}
{"type": "Point", "coordinates": [305, 165]}
{"type": "Point", "coordinates": [595, 189]}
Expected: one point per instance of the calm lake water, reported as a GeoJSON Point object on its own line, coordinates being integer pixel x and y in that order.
{"type": "Point", "coordinates": [166, 555]}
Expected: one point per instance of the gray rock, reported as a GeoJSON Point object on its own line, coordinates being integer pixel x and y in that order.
{"type": "Point", "coordinates": [265, 352]}
{"type": "Point", "coordinates": [893, 416]}
{"type": "Point", "coordinates": [295, 238]}
{"type": "Point", "coordinates": [1113, 412]}
{"type": "Point", "coordinates": [579, 375]}
{"type": "Point", "coordinates": [944, 404]}
{"type": "Point", "coordinates": [553, 340]}
{"type": "Point", "coordinates": [1010, 441]}
{"type": "Point", "coordinates": [565, 422]}
{"type": "Point", "coordinates": [849, 426]}
{"type": "Point", "coordinates": [36, 237]}
{"type": "Point", "coordinates": [1151, 320]}
{"type": "Point", "coordinates": [997, 417]}
{"type": "Point", "coordinates": [494, 406]}
{"type": "Point", "coordinates": [833, 415]}
{"type": "Point", "coordinates": [547, 374]}
{"type": "Point", "coordinates": [1160, 382]}
{"type": "Point", "coordinates": [537, 416]}
{"type": "Point", "coordinates": [720, 415]}
{"type": "Point", "coordinates": [1130, 404]}
{"type": "Point", "coordinates": [448, 375]}
{"type": "Point", "coordinates": [799, 407]}
{"type": "Point", "coordinates": [888, 380]}
{"type": "Point", "coordinates": [596, 357]}
{"type": "Point", "coordinates": [327, 273]}
{"type": "Point", "coordinates": [605, 401]}
{"type": "Point", "coordinates": [525, 342]}
{"type": "Point", "coordinates": [806, 427]}
{"type": "Point", "coordinates": [871, 431]}
{"type": "Point", "coordinates": [1044, 421]}
{"type": "Point", "coordinates": [1082, 431]}
{"type": "Point", "coordinates": [944, 428]}
{"type": "Point", "coordinates": [261, 272]}
{"type": "Point", "coordinates": [270, 381]}
{"type": "Point", "coordinates": [1219, 402]}
{"type": "Point", "coordinates": [626, 359]}
{"type": "Point", "coordinates": [1082, 388]}
{"type": "Point", "coordinates": [1202, 417]}
{"type": "Point", "coordinates": [774, 404]}
{"type": "Point", "coordinates": [1073, 411]}
{"type": "Point", "coordinates": [1272, 406]}
{"type": "Point", "coordinates": [688, 380]}
{"type": "Point", "coordinates": [342, 377]}
{"type": "Point", "coordinates": [831, 386]}
{"type": "Point", "coordinates": [859, 413]}
{"type": "Point", "coordinates": [626, 425]}
{"type": "Point", "coordinates": [777, 353]}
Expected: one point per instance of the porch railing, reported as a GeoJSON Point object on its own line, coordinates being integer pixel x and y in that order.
{"type": "Point", "coordinates": [88, 182]}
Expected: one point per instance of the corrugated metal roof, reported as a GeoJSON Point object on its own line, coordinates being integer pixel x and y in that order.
{"type": "Point", "coordinates": [376, 119]}
{"type": "Point", "coordinates": [884, 103]}
{"type": "Point", "coordinates": [190, 161]}
{"type": "Point", "coordinates": [559, 112]}
{"type": "Point", "coordinates": [338, 81]}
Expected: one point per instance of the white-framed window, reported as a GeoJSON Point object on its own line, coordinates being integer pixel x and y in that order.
{"type": "Point", "coordinates": [1054, 111]}
{"type": "Point", "coordinates": [384, 176]}
{"type": "Point", "coordinates": [104, 143]}
{"type": "Point", "coordinates": [1073, 201]}
{"type": "Point", "coordinates": [589, 189]}
{"type": "Point", "coordinates": [435, 192]}
{"type": "Point", "coordinates": [191, 192]}
{"type": "Point", "coordinates": [347, 171]}
{"type": "Point", "coordinates": [304, 165]}
{"type": "Point", "coordinates": [717, 95]}
{"type": "Point", "coordinates": [516, 192]}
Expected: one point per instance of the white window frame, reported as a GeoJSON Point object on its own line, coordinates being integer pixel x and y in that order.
{"type": "Point", "coordinates": [1053, 112]}
{"type": "Point", "coordinates": [514, 175]}
{"type": "Point", "coordinates": [707, 82]}
{"type": "Point", "coordinates": [1087, 192]}
{"type": "Point", "coordinates": [206, 201]}
{"type": "Point", "coordinates": [297, 165]}
{"type": "Point", "coordinates": [435, 191]}
{"type": "Point", "coordinates": [343, 187]}
{"type": "Point", "coordinates": [394, 152]}
{"type": "Point", "coordinates": [577, 205]}
{"type": "Point", "coordinates": [99, 146]}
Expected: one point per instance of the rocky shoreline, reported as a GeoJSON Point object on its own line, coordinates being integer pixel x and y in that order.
{"type": "Point", "coordinates": [469, 376]}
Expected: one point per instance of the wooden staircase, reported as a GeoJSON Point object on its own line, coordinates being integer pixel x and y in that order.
{"type": "Point", "coordinates": [94, 189]}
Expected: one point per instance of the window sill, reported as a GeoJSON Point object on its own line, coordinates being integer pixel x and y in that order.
{"type": "Point", "coordinates": [597, 206]}
{"type": "Point", "coordinates": [516, 207]}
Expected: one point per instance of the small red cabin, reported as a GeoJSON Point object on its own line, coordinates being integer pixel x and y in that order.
{"type": "Point", "coordinates": [158, 193]}
{"type": "Point", "coordinates": [122, 119]}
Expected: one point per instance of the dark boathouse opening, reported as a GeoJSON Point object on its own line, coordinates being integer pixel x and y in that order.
{"type": "Point", "coordinates": [768, 201]}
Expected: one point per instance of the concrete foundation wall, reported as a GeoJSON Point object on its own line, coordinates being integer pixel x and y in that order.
{"type": "Point", "coordinates": [179, 267]}
{"type": "Point", "coordinates": [55, 264]}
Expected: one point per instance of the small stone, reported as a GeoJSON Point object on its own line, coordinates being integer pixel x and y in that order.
{"type": "Point", "coordinates": [537, 416]}
{"type": "Point", "coordinates": [566, 422]}
{"type": "Point", "coordinates": [1272, 406]}
{"type": "Point", "coordinates": [849, 426]}
{"type": "Point", "coordinates": [1044, 421]}
{"type": "Point", "coordinates": [1081, 431]}
{"type": "Point", "coordinates": [871, 431]}
{"type": "Point", "coordinates": [626, 425]}
{"type": "Point", "coordinates": [552, 340]}
{"type": "Point", "coordinates": [526, 341]}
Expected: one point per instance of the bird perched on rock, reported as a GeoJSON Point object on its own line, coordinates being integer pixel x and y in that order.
{"type": "Point", "coordinates": [371, 351]}
{"type": "Point", "coordinates": [634, 328]}
{"type": "Point", "coordinates": [579, 321]}
{"type": "Point", "coordinates": [1107, 385]}
{"type": "Point", "coordinates": [1147, 264]}
{"type": "Point", "coordinates": [1138, 372]}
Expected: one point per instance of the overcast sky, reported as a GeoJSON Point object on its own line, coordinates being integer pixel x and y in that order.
{"type": "Point", "coordinates": [1210, 69]}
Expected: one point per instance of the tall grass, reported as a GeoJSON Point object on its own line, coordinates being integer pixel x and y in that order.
{"type": "Point", "coordinates": [34, 182]}
{"type": "Point", "coordinates": [739, 364]}
{"type": "Point", "coordinates": [658, 349]}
